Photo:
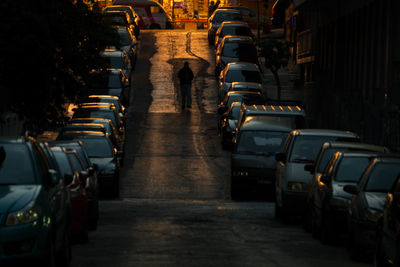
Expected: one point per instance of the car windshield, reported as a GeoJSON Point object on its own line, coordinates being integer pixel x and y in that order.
{"type": "Point", "coordinates": [243, 76]}
{"type": "Point", "coordinates": [115, 19]}
{"type": "Point", "coordinates": [306, 147]}
{"type": "Point", "coordinates": [125, 38]}
{"type": "Point", "coordinates": [234, 112]}
{"type": "Point", "coordinates": [75, 162]}
{"type": "Point", "coordinates": [382, 177]}
{"type": "Point", "coordinates": [105, 81]}
{"type": "Point", "coordinates": [16, 166]}
{"type": "Point", "coordinates": [98, 147]}
{"type": "Point", "coordinates": [247, 99]}
{"type": "Point", "coordinates": [350, 169]}
{"type": "Point", "coordinates": [240, 50]}
{"type": "Point", "coordinates": [261, 142]}
{"type": "Point", "coordinates": [63, 163]}
{"type": "Point", "coordinates": [236, 31]}
{"type": "Point", "coordinates": [226, 16]}
{"type": "Point", "coordinates": [326, 156]}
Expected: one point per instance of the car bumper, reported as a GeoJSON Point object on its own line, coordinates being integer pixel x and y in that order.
{"type": "Point", "coordinates": [22, 242]}
{"type": "Point", "coordinates": [294, 202]}
{"type": "Point", "coordinates": [254, 176]}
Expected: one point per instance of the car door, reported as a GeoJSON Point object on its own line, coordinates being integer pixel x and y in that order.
{"type": "Point", "coordinates": [391, 229]}
{"type": "Point", "coordinates": [280, 169]}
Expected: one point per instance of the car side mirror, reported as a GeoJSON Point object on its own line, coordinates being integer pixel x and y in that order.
{"type": "Point", "coordinates": [351, 189]}
{"type": "Point", "coordinates": [53, 177]}
{"type": "Point", "coordinates": [68, 178]}
{"type": "Point", "coordinates": [310, 168]}
{"type": "Point", "coordinates": [280, 157]}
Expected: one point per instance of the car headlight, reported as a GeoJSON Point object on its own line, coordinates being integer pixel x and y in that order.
{"type": "Point", "coordinates": [295, 186]}
{"type": "Point", "coordinates": [372, 214]}
{"type": "Point", "coordinates": [339, 202]}
{"type": "Point", "coordinates": [30, 213]}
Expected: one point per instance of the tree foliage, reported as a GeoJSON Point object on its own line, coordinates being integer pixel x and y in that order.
{"type": "Point", "coordinates": [48, 49]}
{"type": "Point", "coordinates": [276, 53]}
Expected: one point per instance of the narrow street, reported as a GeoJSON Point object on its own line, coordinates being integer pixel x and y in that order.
{"type": "Point", "coordinates": [175, 207]}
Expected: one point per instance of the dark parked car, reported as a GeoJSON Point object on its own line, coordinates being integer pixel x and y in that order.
{"type": "Point", "coordinates": [248, 97]}
{"type": "Point", "coordinates": [248, 86]}
{"type": "Point", "coordinates": [107, 99]}
{"type": "Point", "coordinates": [34, 206]}
{"type": "Point", "coordinates": [237, 72]}
{"type": "Point", "coordinates": [387, 251]}
{"type": "Point", "coordinates": [117, 59]}
{"type": "Point", "coordinates": [100, 111]}
{"type": "Point", "coordinates": [128, 43]}
{"type": "Point", "coordinates": [119, 18]}
{"type": "Point", "coordinates": [77, 191]}
{"type": "Point", "coordinates": [235, 49]}
{"type": "Point", "coordinates": [134, 17]}
{"type": "Point", "coordinates": [367, 203]}
{"type": "Point", "coordinates": [253, 156]}
{"type": "Point", "coordinates": [329, 202]}
{"type": "Point", "coordinates": [232, 28]}
{"type": "Point", "coordinates": [216, 19]}
{"type": "Point", "coordinates": [227, 124]}
{"type": "Point", "coordinates": [109, 82]}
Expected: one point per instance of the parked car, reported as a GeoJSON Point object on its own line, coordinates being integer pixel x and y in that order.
{"type": "Point", "coordinates": [232, 28]}
{"type": "Point", "coordinates": [134, 17]}
{"type": "Point", "coordinates": [387, 252]}
{"type": "Point", "coordinates": [107, 99]}
{"type": "Point", "coordinates": [34, 205]}
{"type": "Point", "coordinates": [249, 15]}
{"type": "Point", "coordinates": [109, 82]}
{"type": "Point", "coordinates": [227, 124]}
{"type": "Point", "coordinates": [253, 155]}
{"type": "Point", "coordinates": [301, 148]}
{"type": "Point", "coordinates": [101, 152]}
{"type": "Point", "coordinates": [235, 49]}
{"type": "Point", "coordinates": [117, 59]}
{"type": "Point", "coordinates": [127, 42]}
{"type": "Point", "coordinates": [247, 97]}
{"type": "Point", "coordinates": [119, 18]}
{"type": "Point", "coordinates": [367, 203]}
{"type": "Point", "coordinates": [152, 14]}
{"type": "Point", "coordinates": [237, 72]}
{"type": "Point", "coordinates": [296, 114]}
{"type": "Point", "coordinates": [77, 191]}
{"type": "Point", "coordinates": [329, 202]}
{"type": "Point", "coordinates": [216, 19]}
{"type": "Point", "coordinates": [316, 169]}
{"type": "Point", "coordinates": [248, 86]}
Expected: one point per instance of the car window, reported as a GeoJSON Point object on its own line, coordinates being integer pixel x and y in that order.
{"type": "Point", "coordinates": [243, 76]}
{"type": "Point", "coordinates": [98, 147]}
{"type": "Point", "coordinates": [261, 142]}
{"type": "Point", "coordinates": [326, 156]}
{"type": "Point", "coordinates": [226, 16]}
{"type": "Point", "coordinates": [239, 50]}
{"type": "Point", "coordinates": [75, 162]}
{"type": "Point", "coordinates": [115, 62]}
{"type": "Point", "coordinates": [350, 169]}
{"type": "Point", "coordinates": [236, 31]}
{"type": "Point", "coordinates": [101, 81]}
{"type": "Point", "coordinates": [382, 177]}
{"type": "Point", "coordinates": [155, 9]}
{"type": "Point", "coordinates": [16, 165]}
{"type": "Point", "coordinates": [234, 112]}
{"type": "Point", "coordinates": [96, 114]}
{"type": "Point", "coordinates": [63, 163]}
{"type": "Point", "coordinates": [125, 38]}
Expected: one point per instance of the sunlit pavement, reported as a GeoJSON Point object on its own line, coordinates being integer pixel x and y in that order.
{"type": "Point", "coordinates": [175, 207]}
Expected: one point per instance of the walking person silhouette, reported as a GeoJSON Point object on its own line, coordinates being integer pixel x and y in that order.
{"type": "Point", "coordinates": [185, 76]}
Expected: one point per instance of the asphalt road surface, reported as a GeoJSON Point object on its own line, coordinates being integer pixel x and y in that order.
{"type": "Point", "coordinates": [175, 207]}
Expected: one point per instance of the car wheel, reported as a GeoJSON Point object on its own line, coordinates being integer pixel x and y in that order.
{"type": "Point", "coordinates": [326, 235]}
{"type": "Point", "coordinates": [354, 249]}
{"type": "Point", "coordinates": [49, 259]}
{"type": "Point", "coordinates": [307, 218]}
{"type": "Point", "coordinates": [315, 229]}
{"type": "Point", "coordinates": [379, 256]}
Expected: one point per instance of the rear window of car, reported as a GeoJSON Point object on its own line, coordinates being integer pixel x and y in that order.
{"type": "Point", "coordinates": [239, 50]}
{"type": "Point", "coordinates": [226, 16]}
{"type": "Point", "coordinates": [236, 31]}
{"type": "Point", "coordinates": [125, 38]}
{"type": "Point", "coordinates": [96, 114]}
{"type": "Point", "coordinates": [261, 142]}
{"type": "Point", "coordinates": [16, 165]}
{"type": "Point", "coordinates": [75, 162]}
{"type": "Point", "coordinates": [63, 163]}
{"type": "Point", "coordinates": [243, 76]}
{"type": "Point", "coordinates": [101, 81]}
{"type": "Point", "coordinates": [98, 147]}
{"type": "Point", "coordinates": [382, 177]}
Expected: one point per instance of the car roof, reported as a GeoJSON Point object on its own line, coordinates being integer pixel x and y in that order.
{"type": "Point", "coordinates": [359, 153]}
{"type": "Point", "coordinates": [354, 146]}
{"type": "Point", "coordinates": [231, 93]}
{"type": "Point", "coordinates": [234, 24]}
{"type": "Point", "coordinates": [227, 10]}
{"type": "Point", "coordinates": [84, 133]}
{"type": "Point", "coordinates": [242, 66]}
{"type": "Point", "coordinates": [326, 132]}
{"type": "Point", "coordinates": [94, 125]}
{"type": "Point", "coordinates": [104, 96]}
{"type": "Point", "coordinates": [237, 39]}
{"type": "Point", "coordinates": [273, 109]}
{"type": "Point", "coordinates": [265, 123]}
{"type": "Point", "coordinates": [109, 52]}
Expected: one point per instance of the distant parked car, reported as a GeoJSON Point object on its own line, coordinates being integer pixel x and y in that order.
{"type": "Point", "coordinates": [119, 18]}
{"type": "Point", "coordinates": [128, 42]}
{"type": "Point", "coordinates": [248, 97]}
{"type": "Point", "coordinates": [248, 86]}
{"type": "Point", "coordinates": [237, 72]}
{"type": "Point", "coordinates": [387, 251]}
{"type": "Point", "coordinates": [132, 15]}
{"type": "Point", "coordinates": [117, 59]}
{"type": "Point", "coordinates": [216, 19]}
{"type": "Point", "coordinates": [34, 206]}
{"type": "Point", "coordinates": [292, 181]}
{"type": "Point", "coordinates": [235, 49]}
{"type": "Point", "coordinates": [232, 28]}
{"type": "Point", "coordinates": [227, 124]}
{"type": "Point", "coordinates": [367, 203]}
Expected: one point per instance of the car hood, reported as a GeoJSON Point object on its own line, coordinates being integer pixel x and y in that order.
{"type": "Point", "coordinates": [254, 161]}
{"type": "Point", "coordinates": [375, 200]}
{"type": "Point", "coordinates": [15, 197]}
{"type": "Point", "coordinates": [103, 164]}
